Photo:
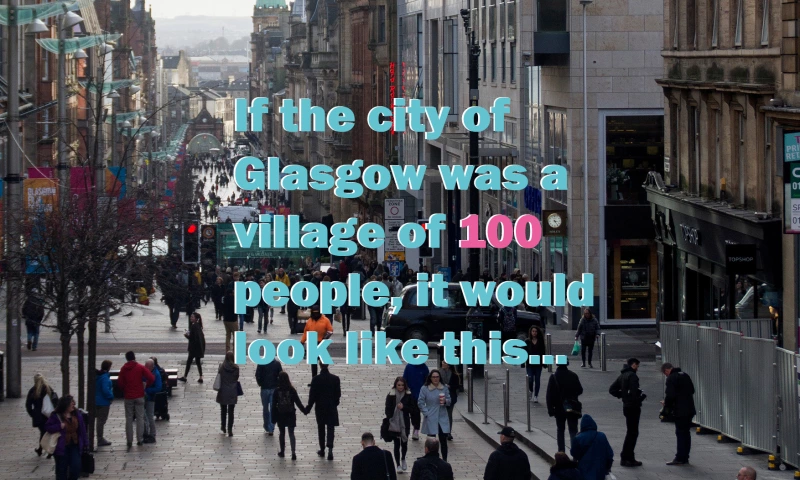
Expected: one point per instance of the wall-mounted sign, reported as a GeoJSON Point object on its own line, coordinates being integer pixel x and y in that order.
{"type": "Point", "coordinates": [791, 154]}
{"type": "Point", "coordinates": [740, 259]}
{"type": "Point", "coordinates": [691, 235]}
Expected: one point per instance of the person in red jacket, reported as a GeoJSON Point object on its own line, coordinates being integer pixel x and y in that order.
{"type": "Point", "coordinates": [132, 379]}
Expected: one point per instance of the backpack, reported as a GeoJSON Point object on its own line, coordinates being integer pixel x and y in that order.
{"type": "Point", "coordinates": [284, 405]}
{"type": "Point", "coordinates": [164, 379]}
{"type": "Point", "coordinates": [429, 472]}
{"type": "Point", "coordinates": [507, 319]}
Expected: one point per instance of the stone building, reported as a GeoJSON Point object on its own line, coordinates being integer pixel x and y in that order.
{"type": "Point", "coordinates": [730, 72]}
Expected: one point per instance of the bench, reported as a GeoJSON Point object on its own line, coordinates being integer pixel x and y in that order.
{"type": "Point", "coordinates": [172, 381]}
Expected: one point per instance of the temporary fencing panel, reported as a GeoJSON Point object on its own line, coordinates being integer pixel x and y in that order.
{"type": "Point", "coordinates": [670, 344]}
{"type": "Point", "coordinates": [730, 394]}
{"type": "Point", "coordinates": [688, 353]}
{"type": "Point", "coordinates": [708, 379]}
{"type": "Point", "coordinates": [758, 388]}
{"type": "Point", "coordinates": [788, 407]}
{"type": "Point", "coordinates": [751, 327]}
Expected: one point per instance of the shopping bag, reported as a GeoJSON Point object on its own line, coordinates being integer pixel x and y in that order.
{"type": "Point", "coordinates": [239, 391]}
{"type": "Point", "coordinates": [576, 349]}
{"type": "Point", "coordinates": [217, 383]}
{"type": "Point", "coordinates": [49, 442]}
{"type": "Point", "coordinates": [87, 462]}
{"type": "Point", "coordinates": [337, 317]}
{"type": "Point", "coordinates": [47, 405]}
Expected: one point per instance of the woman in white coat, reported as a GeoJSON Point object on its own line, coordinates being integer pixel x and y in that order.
{"type": "Point", "coordinates": [434, 398]}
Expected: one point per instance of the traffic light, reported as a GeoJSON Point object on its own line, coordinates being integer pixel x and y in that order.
{"type": "Point", "coordinates": [191, 242]}
{"type": "Point", "coordinates": [425, 251]}
{"type": "Point", "coordinates": [208, 247]}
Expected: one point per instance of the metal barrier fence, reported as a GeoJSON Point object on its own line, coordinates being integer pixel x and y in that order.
{"type": "Point", "coordinates": [745, 388]}
{"type": "Point", "coordinates": [751, 327]}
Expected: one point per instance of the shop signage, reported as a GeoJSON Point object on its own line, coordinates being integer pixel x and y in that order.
{"type": "Point", "coordinates": [740, 259]}
{"type": "Point", "coordinates": [394, 213]}
{"type": "Point", "coordinates": [691, 235]}
{"type": "Point", "coordinates": [791, 154]}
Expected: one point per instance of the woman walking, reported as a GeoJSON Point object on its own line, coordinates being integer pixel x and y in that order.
{"type": "Point", "coordinates": [292, 309]}
{"type": "Point", "coordinates": [72, 440]}
{"type": "Point", "coordinates": [398, 410]}
{"type": "Point", "coordinates": [453, 381]}
{"type": "Point", "coordinates": [534, 345]}
{"type": "Point", "coordinates": [434, 398]}
{"type": "Point", "coordinates": [34, 404]}
{"type": "Point", "coordinates": [284, 414]}
{"type": "Point", "coordinates": [197, 346]}
{"type": "Point", "coordinates": [217, 291]}
{"type": "Point", "coordinates": [227, 395]}
{"type": "Point", "coordinates": [588, 329]}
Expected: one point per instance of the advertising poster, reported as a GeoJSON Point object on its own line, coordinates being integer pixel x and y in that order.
{"type": "Point", "coordinates": [40, 194]}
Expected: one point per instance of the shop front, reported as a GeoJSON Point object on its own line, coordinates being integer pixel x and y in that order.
{"type": "Point", "coordinates": [698, 274]}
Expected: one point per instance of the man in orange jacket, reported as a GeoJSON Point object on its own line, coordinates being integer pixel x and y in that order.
{"type": "Point", "coordinates": [317, 323]}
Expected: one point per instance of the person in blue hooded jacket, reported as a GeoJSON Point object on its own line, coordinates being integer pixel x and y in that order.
{"type": "Point", "coordinates": [150, 403]}
{"type": "Point", "coordinates": [103, 396]}
{"type": "Point", "coordinates": [415, 376]}
{"type": "Point", "coordinates": [592, 451]}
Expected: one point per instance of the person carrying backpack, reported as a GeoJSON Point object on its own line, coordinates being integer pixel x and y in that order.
{"type": "Point", "coordinates": [563, 391]}
{"type": "Point", "coordinates": [507, 318]}
{"type": "Point", "coordinates": [626, 387]}
{"type": "Point", "coordinates": [431, 467]}
{"type": "Point", "coordinates": [283, 412]}
{"type": "Point", "coordinates": [592, 451]}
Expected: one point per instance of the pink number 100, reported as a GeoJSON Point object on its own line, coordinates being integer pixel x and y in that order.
{"type": "Point", "coordinates": [502, 237]}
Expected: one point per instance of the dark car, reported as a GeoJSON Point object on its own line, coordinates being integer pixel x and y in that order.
{"type": "Point", "coordinates": [429, 323]}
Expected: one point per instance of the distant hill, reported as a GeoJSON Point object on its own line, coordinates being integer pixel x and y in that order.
{"type": "Point", "coordinates": [188, 31]}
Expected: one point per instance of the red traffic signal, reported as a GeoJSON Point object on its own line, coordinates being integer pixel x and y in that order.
{"type": "Point", "coordinates": [191, 229]}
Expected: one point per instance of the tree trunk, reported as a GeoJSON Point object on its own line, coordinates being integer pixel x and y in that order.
{"type": "Point", "coordinates": [63, 328]}
{"type": "Point", "coordinates": [81, 368]}
{"type": "Point", "coordinates": [92, 366]}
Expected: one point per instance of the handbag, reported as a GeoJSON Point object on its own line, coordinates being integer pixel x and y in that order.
{"type": "Point", "coordinates": [87, 462]}
{"type": "Point", "coordinates": [572, 407]}
{"type": "Point", "coordinates": [387, 434]}
{"type": "Point", "coordinates": [576, 348]}
{"type": "Point", "coordinates": [337, 317]}
{"type": "Point", "coordinates": [217, 383]}
{"type": "Point", "coordinates": [239, 391]}
{"type": "Point", "coordinates": [47, 405]}
{"type": "Point", "coordinates": [49, 441]}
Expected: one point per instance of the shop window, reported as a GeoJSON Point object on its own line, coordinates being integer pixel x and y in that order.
{"type": "Point", "coordinates": [756, 299]}
{"type": "Point", "coordinates": [552, 15]}
{"type": "Point", "coordinates": [634, 147]}
{"type": "Point", "coordinates": [631, 289]}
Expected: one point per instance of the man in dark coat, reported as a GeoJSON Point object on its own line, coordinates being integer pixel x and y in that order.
{"type": "Point", "coordinates": [679, 398]}
{"type": "Point", "coordinates": [431, 462]}
{"type": "Point", "coordinates": [324, 395]}
{"type": "Point", "coordinates": [508, 462]}
{"type": "Point", "coordinates": [626, 387]}
{"type": "Point", "coordinates": [563, 385]}
{"type": "Point", "coordinates": [372, 463]}
{"type": "Point", "coordinates": [267, 379]}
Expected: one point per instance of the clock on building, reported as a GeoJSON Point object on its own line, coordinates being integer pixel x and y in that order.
{"type": "Point", "coordinates": [554, 223]}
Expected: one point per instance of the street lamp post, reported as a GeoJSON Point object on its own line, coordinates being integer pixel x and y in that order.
{"type": "Point", "coordinates": [65, 21]}
{"type": "Point", "coordinates": [584, 4]}
{"type": "Point", "coordinates": [473, 52]}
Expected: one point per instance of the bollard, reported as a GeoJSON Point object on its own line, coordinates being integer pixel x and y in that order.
{"type": "Point", "coordinates": [470, 392]}
{"type": "Point", "coordinates": [529, 379]}
{"type": "Point", "coordinates": [603, 367]}
{"type": "Point", "coordinates": [505, 403]}
{"type": "Point", "coordinates": [549, 347]}
{"type": "Point", "coordinates": [485, 396]}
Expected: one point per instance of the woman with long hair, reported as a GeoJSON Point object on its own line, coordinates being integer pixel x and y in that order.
{"type": "Point", "coordinates": [67, 421]}
{"type": "Point", "coordinates": [399, 404]}
{"type": "Point", "coordinates": [534, 345]}
{"type": "Point", "coordinates": [197, 346]}
{"type": "Point", "coordinates": [434, 398]}
{"type": "Point", "coordinates": [227, 395]}
{"type": "Point", "coordinates": [34, 403]}
{"type": "Point", "coordinates": [284, 414]}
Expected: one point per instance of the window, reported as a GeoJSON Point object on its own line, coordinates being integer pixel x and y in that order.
{"type": "Point", "coordinates": [691, 23]}
{"type": "Point", "coordinates": [511, 12]}
{"type": "Point", "coordinates": [634, 147]}
{"type": "Point", "coordinates": [503, 62]}
{"type": "Point", "coordinates": [765, 23]}
{"type": "Point", "coordinates": [768, 163]}
{"type": "Point", "coordinates": [474, 17]}
{"type": "Point", "coordinates": [739, 132]}
{"type": "Point", "coordinates": [675, 16]}
{"type": "Point", "coordinates": [381, 24]}
{"type": "Point", "coordinates": [694, 147]}
{"type": "Point", "coordinates": [737, 37]}
{"type": "Point", "coordinates": [714, 23]}
{"type": "Point", "coordinates": [494, 62]}
{"type": "Point", "coordinates": [484, 64]}
{"type": "Point", "coordinates": [492, 20]}
{"type": "Point", "coordinates": [552, 15]}
{"type": "Point", "coordinates": [450, 53]}
{"type": "Point", "coordinates": [674, 156]}
{"type": "Point", "coordinates": [513, 62]}
{"type": "Point", "coordinates": [483, 21]}
{"type": "Point", "coordinates": [714, 118]}
{"type": "Point", "coordinates": [556, 137]}
{"type": "Point", "coordinates": [502, 20]}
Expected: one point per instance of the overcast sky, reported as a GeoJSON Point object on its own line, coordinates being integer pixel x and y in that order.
{"type": "Point", "coordinates": [175, 8]}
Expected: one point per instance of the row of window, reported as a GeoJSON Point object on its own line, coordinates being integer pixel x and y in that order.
{"type": "Point", "coordinates": [736, 15]}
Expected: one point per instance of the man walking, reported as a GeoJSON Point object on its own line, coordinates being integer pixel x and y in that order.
{"type": "Point", "coordinates": [563, 390]}
{"type": "Point", "coordinates": [132, 379]}
{"type": "Point", "coordinates": [372, 463]}
{"type": "Point", "coordinates": [33, 312]}
{"type": "Point", "coordinates": [267, 379]}
{"type": "Point", "coordinates": [626, 387]}
{"type": "Point", "coordinates": [508, 462]}
{"type": "Point", "coordinates": [150, 402]}
{"type": "Point", "coordinates": [431, 466]}
{"type": "Point", "coordinates": [103, 396]}
{"type": "Point", "coordinates": [324, 395]}
{"type": "Point", "coordinates": [317, 323]}
{"type": "Point", "coordinates": [679, 399]}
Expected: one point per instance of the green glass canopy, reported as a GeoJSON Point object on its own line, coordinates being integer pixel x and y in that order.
{"type": "Point", "coordinates": [28, 13]}
{"type": "Point", "coordinates": [72, 45]}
